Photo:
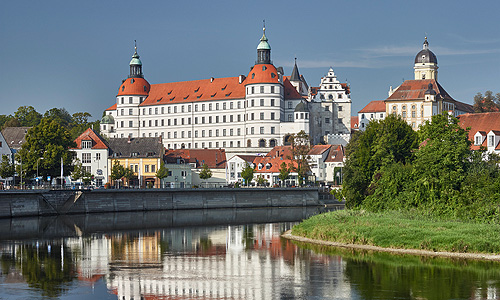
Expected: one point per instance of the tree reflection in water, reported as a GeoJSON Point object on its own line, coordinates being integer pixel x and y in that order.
{"type": "Point", "coordinates": [380, 275]}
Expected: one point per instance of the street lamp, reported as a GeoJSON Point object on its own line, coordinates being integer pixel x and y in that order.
{"type": "Point", "coordinates": [37, 161]}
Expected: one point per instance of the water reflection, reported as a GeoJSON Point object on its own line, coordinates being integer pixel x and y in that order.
{"type": "Point", "coordinates": [231, 261]}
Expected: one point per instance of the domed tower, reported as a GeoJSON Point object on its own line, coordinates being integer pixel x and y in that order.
{"type": "Point", "coordinates": [425, 63]}
{"type": "Point", "coordinates": [264, 96]}
{"type": "Point", "coordinates": [302, 116]}
{"type": "Point", "coordinates": [131, 93]}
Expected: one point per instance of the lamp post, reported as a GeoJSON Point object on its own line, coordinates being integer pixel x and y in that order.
{"type": "Point", "coordinates": [37, 161]}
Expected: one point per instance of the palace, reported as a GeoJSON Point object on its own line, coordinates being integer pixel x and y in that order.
{"type": "Point", "coordinates": [242, 114]}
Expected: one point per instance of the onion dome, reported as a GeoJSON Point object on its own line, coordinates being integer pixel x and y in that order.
{"type": "Point", "coordinates": [108, 119]}
{"type": "Point", "coordinates": [263, 73]}
{"type": "Point", "coordinates": [135, 65]}
{"type": "Point", "coordinates": [264, 45]}
{"type": "Point", "coordinates": [425, 56]}
{"type": "Point", "coordinates": [134, 86]}
{"type": "Point", "coordinates": [301, 107]}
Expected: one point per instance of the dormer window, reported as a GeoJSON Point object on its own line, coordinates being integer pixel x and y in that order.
{"type": "Point", "coordinates": [478, 141]}
{"type": "Point", "coordinates": [86, 144]}
{"type": "Point", "coordinates": [491, 141]}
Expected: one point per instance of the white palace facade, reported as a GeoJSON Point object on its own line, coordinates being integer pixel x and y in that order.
{"type": "Point", "coordinates": [243, 114]}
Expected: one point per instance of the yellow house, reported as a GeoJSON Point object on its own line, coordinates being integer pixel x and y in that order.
{"type": "Point", "coordinates": [142, 155]}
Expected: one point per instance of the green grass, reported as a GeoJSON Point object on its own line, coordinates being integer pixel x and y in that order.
{"type": "Point", "coordinates": [404, 230]}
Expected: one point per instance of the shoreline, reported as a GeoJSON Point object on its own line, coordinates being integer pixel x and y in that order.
{"type": "Point", "coordinates": [476, 256]}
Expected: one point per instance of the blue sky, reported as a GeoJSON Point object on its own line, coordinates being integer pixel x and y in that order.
{"type": "Point", "coordinates": [74, 54]}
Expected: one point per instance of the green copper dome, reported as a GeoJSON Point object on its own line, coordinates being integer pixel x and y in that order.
{"type": "Point", "coordinates": [108, 119]}
{"type": "Point", "coordinates": [264, 45]}
{"type": "Point", "coordinates": [135, 59]}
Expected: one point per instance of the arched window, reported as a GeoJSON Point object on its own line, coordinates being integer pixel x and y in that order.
{"type": "Point", "coordinates": [272, 143]}
{"type": "Point", "coordinates": [287, 141]}
{"type": "Point", "coordinates": [262, 143]}
{"type": "Point", "coordinates": [249, 143]}
{"type": "Point", "coordinates": [183, 146]}
{"type": "Point", "coordinates": [330, 97]}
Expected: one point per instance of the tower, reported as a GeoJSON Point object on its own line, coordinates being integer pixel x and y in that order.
{"type": "Point", "coordinates": [425, 63]}
{"type": "Point", "coordinates": [263, 50]}
{"type": "Point", "coordinates": [135, 65]}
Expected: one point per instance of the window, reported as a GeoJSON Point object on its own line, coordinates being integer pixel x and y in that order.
{"type": "Point", "coordinates": [362, 116]}
{"type": "Point", "coordinates": [85, 144]}
{"type": "Point", "coordinates": [239, 131]}
{"type": "Point", "coordinates": [272, 89]}
{"type": "Point", "coordinates": [252, 130]}
{"type": "Point", "coordinates": [231, 132]}
{"type": "Point", "coordinates": [203, 133]}
{"type": "Point", "coordinates": [169, 109]}
{"type": "Point", "coordinates": [210, 119]}
{"type": "Point", "coordinates": [261, 102]}
{"type": "Point", "coordinates": [478, 140]}
{"type": "Point", "coordinates": [290, 104]}
{"type": "Point", "coordinates": [272, 102]}
{"type": "Point", "coordinates": [371, 116]}
{"type": "Point", "coordinates": [153, 168]}
{"type": "Point", "coordinates": [86, 158]}
{"type": "Point", "coordinates": [252, 102]}
{"type": "Point", "coordinates": [231, 118]}
{"type": "Point", "coordinates": [290, 118]}
{"type": "Point", "coordinates": [262, 89]}
{"type": "Point", "coordinates": [202, 120]}
{"type": "Point", "coordinates": [239, 104]}
{"type": "Point", "coordinates": [251, 116]}
{"type": "Point", "coordinates": [98, 156]}
{"type": "Point", "coordinates": [231, 105]}
{"type": "Point", "coordinates": [210, 133]}
{"type": "Point", "coordinates": [262, 116]}
{"type": "Point", "coordinates": [216, 106]}
{"type": "Point", "coordinates": [210, 106]}
{"type": "Point", "coordinates": [239, 118]}
{"type": "Point", "coordinates": [340, 108]}
{"type": "Point", "coordinates": [223, 132]}
{"type": "Point", "coordinates": [403, 114]}
{"type": "Point", "coordinates": [130, 111]}
{"type": "Point", "coordinates": [162, 110]}
{"type": "Point", "coordinates": [253, 88]}
{"type": "Point", "coordinates": [203, 107]}
{"type": "Point", "coordinates": [130, 124]}
{"type": "Point", "coordinates": [196, 107]}
{"type": "Point", "coordinates": [224, 119]}
{"type": "Point", "coordinates": [327, 120]}
{"type": "Point", "coordinates": [272, 116]}
{"type": "Point", "coordinates": [146, 168]}
{"type": "Point", "coordinates": [491, 141]}
{"type": "Point", "coordinates": [273, 130]}
{"type": "Point", "coordinates": [413, 114]}
{"type": "Point", "coordinates": [216, 132]}
{"type": "Point", "coordinates": [340, 120]}
{"type": "Point", "coordinates": [130, 100]}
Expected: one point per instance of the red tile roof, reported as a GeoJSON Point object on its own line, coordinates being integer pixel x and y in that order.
{"type": "Point", "coordinates": [262, 73]}
{"type": "Point", "coordinates": [214, 158]}
{"type": "Point", "coordinates": [98, 142]}
{"type": "Point", "coordinates": [275, 164]}
{"type": "Point", "coordinates": [354, 122]}
{"type": "Point", "coordinates": [134, 86]}
{"type": "Point", "coordinates": [336, 154]}
{"type": "Point", "coordinates": [415, 89]}
{"type": "Point", "coordinates": [483, 122]}
{"type": "Point", "coordinates": [113, 107]}
{"type": "Point", "coordinates": [319, 149]}
{"type": "Point", "coordinates": [374, 106]}
{"type": "Point", "coordinates": [280, 151]}
{"type": "Point", "coordinates": [290, 90]}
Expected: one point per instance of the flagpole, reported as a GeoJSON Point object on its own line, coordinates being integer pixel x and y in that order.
{"type": "Point", "coordinates": [62, 184]}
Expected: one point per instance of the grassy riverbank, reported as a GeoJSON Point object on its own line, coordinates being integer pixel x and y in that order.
{"type": "Point", "coordinates": [401, 230]}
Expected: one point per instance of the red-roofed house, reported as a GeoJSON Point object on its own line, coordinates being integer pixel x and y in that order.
{"type": "Point", "coordinates": [92, 150]}
{"type": "Point", "coordinates": [215, 159]}
{"type": "Point", "coordinates": [235, 166]}
{"type": "Point", "coordinates": [354, 123]}
{"type": "Point", "coordinates": [375, 110]}
{"type": "Point", "coordinates": [484, 130]}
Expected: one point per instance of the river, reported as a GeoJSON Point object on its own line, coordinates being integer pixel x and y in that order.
{"type": "Point", "coordinates": [214, 254]}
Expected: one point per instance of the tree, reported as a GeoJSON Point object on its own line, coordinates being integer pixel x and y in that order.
{"type": "Point", "coordinates": [7, 168]}
{"type": "Point", "coordinates": [51, 141]}
{"type": "Point", "coordinates": [486, 103]}
{"type": "Point", "coordinates": [284, 172]}
{"type": "Point", "coordinates": [60, 115]}
{"type": "Point", "coordinates": [12, 122]}
{"type": "Point", "coordinates": [117, 172]}
{"type": "Point", "coordinates": [383, 143]}
{"type": "Point", "coordinates": [79, 172]}
{"type": "Point", "coordinates": [128, 174]}
{"type": "Point", "coordinates": [301, 146]}
{"type": "Point", "coordinates": [162, 173]}
{"type": "Point", "coordinates": [261, 181]}
{"type": "Point", "coordinates": [28, 116]}
{"type": "Point", "coordinates": [247, 174]}
{"type": "Point", "coordinates": [205, 173]}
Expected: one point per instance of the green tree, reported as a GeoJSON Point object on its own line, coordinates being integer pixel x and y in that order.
{"type": "Point", "coordinates": [205, 173]}
{"type": "Point", "coordinates": [7, 168]}
{"type": "Point", "coordinates": [486, 103]}
{"type": "Point", "coordinates": [284, 172]}
{"type": "Point", "coordinates": [79, 172]}
{"type": "Point", "coordinates": [247, 174]}
{"type": "Point", "coordinates": [60, 115]}
{"type": "Point", "coordinates": [51, 141]}
{"type": "Point", "coordinates": [12, 122]}
{"type": "Point", "coordinates": [301, 146]}
{"type": "Point", "coordinates": [128, 174]}
{"type": "Point", "coordinates": [383, 142]}
{"type": "Point", "coordinates": [4, 119]}
{"type": "Point", "coordinates": [261, 181]}
{"type": "Point", "coordinates": [28, 116]}
{"type": "Point", "coordinates": [162, 173]}
{"type": "Point", "coordinates": [117, 172]}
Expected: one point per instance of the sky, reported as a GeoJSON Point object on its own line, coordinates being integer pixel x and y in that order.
{"type": "Point", "coordinates": [74, 54]}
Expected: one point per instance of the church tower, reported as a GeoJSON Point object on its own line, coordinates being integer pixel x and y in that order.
{"type": "Point", "coordinates": [425, 63]}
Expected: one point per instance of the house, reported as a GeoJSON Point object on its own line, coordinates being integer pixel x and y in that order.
{"type": "Point", "coordinates": [334, 163]}
{"type": "Point", "coordinates": [235, 166]}
{"type": "Point", "coordinates": [375, 110]}
{"type": "Point", "coordinates": [215, 159]}
{"type": "Point", "coordinates": [15, 136]}
{"type": "Point", "coordinates": [92, 151]}
{"type": "Point", "coordinates": [142, 155]}
{"type": "Point", "coordinates": [484, 130]}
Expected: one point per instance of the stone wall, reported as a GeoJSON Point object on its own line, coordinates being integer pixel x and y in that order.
{"type": "Point", "coordinates": [53, 202]}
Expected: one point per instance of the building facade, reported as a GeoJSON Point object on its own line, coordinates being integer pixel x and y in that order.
{"type": "Point", "coordinates": [92, 151]}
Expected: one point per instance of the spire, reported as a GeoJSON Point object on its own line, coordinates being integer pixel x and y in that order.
{"type": "Point", "coordinates": [135, 64]}
{"type": "Point", "coordinates": [264, 49]}
{"type": "Point", "coordinates": [426, 44]}
{"type": "Point", "coordinates": [295, 73]}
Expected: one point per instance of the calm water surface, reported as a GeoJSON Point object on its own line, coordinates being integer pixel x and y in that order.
{"type": "Point", "coordinates": [218, 254]}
